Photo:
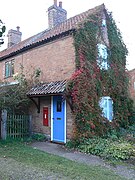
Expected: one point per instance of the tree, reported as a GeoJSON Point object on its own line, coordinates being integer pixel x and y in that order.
{"type": "Point", "coordinates": [13, 97]}
{"type": "Point", "coordinates": [2, 31]}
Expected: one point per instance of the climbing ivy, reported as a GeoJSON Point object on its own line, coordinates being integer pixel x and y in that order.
{"type": "Point", "coordinates": [90, 82]}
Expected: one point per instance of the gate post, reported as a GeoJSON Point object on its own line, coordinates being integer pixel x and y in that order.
{"type": "Point", "coordinates": [30, 125]}
{"type": "Point", "coordinates": [4, 125]}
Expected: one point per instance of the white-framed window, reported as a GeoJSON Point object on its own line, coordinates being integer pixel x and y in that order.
{"type": "Point", "coordinates": [9, 68]}
{"type": "Point", "coordinates": [103, 23]}
{"type": "Point", "coordinates": [102, 56]}
{"type": "Point", "coordinates": [106, 104]}
{"type": "Point", "coordinates": [134, 85]}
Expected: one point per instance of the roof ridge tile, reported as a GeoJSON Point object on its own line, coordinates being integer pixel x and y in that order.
{"type": "Point", "coordinates": [65, 26]}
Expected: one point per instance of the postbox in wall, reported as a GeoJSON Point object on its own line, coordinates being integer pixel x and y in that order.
{"type": "Point", "coordinates": [45, 116]}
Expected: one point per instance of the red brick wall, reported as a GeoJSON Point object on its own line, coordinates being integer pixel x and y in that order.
{"type": "Point", "coordinates": [132, 83]}
{"type": "Point", "coordinates": [57, 62]}
{"type": "Point", "coordinates": [55, 59]}
{"type": "Point", "coordinates": [37, 118]}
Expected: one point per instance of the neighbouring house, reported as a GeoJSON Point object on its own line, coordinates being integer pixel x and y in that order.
{"type": "Point", "coordinates": [82, 61]}
{"type": "Point", "coordinates": [132, 83]}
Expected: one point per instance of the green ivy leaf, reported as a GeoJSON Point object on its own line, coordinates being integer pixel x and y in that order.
{"type": "Point", "coordinates": [3, 29]}
{"type": "Point", "coordinates": [1, 34]}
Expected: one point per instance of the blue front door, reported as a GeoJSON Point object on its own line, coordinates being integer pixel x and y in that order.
{"type": "Point", "coordinates": [58, 119]}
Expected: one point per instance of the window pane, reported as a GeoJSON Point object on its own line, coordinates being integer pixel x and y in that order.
{"type": "Point", "coordinates": [102, 56]}
{"type": "Point", "coordinates": [59, 106]}
{"type": "Point", "coordinates": [110, 104]}
{"type": "Point", "coordinates": [106, 105]}
{"type": "Point", "coordinates": [102, 51]}
{"type": "Point", "coordinates": [9, 68]}
{"type": "Point", "coordinates": [12, 68]}
{"type": "Point", "coordinates": [9, 65]}
{"type": "Point", "coordinates": [103, 23]}
{"type": "Point", "coordinates": [6, 69]}
{"type": "Point", "coordinates": [103, 105]}
{"type": "Point", "coordinates": [134, 85]}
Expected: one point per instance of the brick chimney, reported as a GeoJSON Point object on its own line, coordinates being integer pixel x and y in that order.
{"type": "Point", "coordinates": [14, 36]}
{"type": "Point", "coordinates": [56, 14]}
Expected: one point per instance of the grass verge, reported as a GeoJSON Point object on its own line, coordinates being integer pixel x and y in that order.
{"type": "Point", "coordinates": [67, 169]}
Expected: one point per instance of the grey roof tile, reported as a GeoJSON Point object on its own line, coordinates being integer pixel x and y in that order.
{"type": "Point", "coordinates": [48, 88]}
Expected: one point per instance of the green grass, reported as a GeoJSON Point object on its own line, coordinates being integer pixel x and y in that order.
{"type": "Point", "coordinates": [21, 152]}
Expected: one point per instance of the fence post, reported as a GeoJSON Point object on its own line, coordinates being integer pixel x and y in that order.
{"type": "Point", "coordinates": [30, 125]}
{"type": "Point", "coordinates": [4, 125]}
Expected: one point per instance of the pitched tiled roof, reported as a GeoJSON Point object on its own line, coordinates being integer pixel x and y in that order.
{"type": "Point", "coordinates": [68, 25]}
{"type": "Point", "coordinates": [48, 88]}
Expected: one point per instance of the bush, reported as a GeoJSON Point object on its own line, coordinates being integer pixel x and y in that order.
{"type": "Point", "coordinates": [108, 148]}
{"type": "Point", "coordinates": [131, 130]}
{"type": "Point", "coordinates": [39, 137]}
{"type": "Point", "coordinates": [95, 146]}
{"type": "Point", "coordinates": [119, 150]}
{"type": "Point", "coordinates": [72, 144]}
{"type": "Point", "coordinates": [128, 134]}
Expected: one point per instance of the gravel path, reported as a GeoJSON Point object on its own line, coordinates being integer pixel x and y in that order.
{"type": "Point", "coordinates": [125, 171]}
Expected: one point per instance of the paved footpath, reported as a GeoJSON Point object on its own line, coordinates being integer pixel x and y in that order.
{"type": "Point", "coordinates": [57, 149]}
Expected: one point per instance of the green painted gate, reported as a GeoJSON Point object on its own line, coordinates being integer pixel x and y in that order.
{"type": "Point", "coordinates": [18, 126]}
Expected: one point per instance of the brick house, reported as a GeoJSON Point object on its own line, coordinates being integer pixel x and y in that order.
{"type": "Point", "coordinates": [132, 83]}
{"type": "Point", "coordinates": [53, 51]}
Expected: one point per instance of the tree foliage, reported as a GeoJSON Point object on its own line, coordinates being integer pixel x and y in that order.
{"type": "Point", "coordinates": [2, 31]}
{"type": "Point", "coordinates": [13, 97]}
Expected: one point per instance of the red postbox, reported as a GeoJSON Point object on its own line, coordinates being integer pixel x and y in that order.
{"type": "Point", "coordinates": [45, 116]}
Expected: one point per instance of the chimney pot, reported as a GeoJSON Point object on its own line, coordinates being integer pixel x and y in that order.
{"type": "Point", "coordinates": [56, 14]}
{"type": "Point", "coordinates": [18, 28]}
{"type": "Point", "coordinates": [60, 4]}
{"type": "Point", "coordinates": [55, 2]}
{"type": "Point", "coordinates": [14, 36]}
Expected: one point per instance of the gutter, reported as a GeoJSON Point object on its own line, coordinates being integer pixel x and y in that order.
{"type": "Point", "coordinates": [36, 44]}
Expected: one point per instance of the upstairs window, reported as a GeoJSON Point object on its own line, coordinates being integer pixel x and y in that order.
{"type": "Point", "coordinates": [106, 104]}
{"type": "Point", "coordinates": [134, 85]}
{"type": "Point", "coordinates": [102, 56]}
{"type": "Point", "coordinates": [103, 23]}
{"type": "Point", "coordinates": [9, 69]}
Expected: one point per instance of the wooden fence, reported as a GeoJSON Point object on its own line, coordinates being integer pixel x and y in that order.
{"type": "Point", "coordinates": [15, 126]}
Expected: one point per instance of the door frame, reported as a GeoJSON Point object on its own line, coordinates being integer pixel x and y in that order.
{"type": "Point", "coordinates": [65, 120]}
{"type": "Point", "coordinates": [0, 124]}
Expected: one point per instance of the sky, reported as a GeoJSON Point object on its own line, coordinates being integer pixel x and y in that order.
{"type": "Point", "coordinates": [31, 16]}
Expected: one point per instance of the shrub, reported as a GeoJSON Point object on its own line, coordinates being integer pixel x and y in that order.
{"type": "Point", "coordinates": [39, 137]}
{"type": "Point", "coordinates": [118, 149]}
{"type": "Point", "coordinates": [72, 144]}
{"type": "Point", "coordinates": [94, 146]}
{"type": "Point", "coordinates": [131, 130]}
{"type": "Point", "coordinates": [128, 133]}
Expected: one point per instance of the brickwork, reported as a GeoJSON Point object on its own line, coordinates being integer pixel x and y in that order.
{"type": "Point", "coordinates": [37, 118]}
{"type": "Point", "coordinates": [14, 36]}
{"type": "Point", "coordinates": [56, 15]}
{"type": "Point", "coordinates": [56, 61]}
{"type": "Point", "coordinates": [70, 122]}
{"type": "Point", "coordinates": [132, 84]}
